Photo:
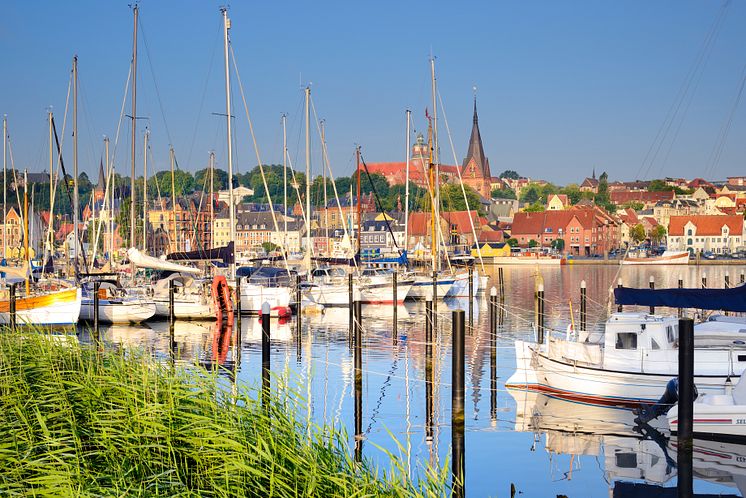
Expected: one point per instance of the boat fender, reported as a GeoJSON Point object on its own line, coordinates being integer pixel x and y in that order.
{"type": "Point", "coordinates": [670, 397]}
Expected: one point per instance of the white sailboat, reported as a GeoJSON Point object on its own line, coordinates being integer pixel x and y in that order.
{"type": "Point", "coordinates": [115, 305]}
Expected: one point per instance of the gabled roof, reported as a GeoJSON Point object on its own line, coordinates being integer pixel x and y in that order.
{"type": "Point", "coordinates": [707, 225]}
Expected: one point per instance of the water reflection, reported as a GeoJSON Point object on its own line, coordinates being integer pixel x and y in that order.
{"type": "Point", "coordinates": [578, 451]}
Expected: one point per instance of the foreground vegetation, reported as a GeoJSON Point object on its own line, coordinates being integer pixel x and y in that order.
{"type": "Point", "coordinates": [77, 422]}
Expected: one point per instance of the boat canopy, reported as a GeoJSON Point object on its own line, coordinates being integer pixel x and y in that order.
{"type": "Point", "coordinates": [225, 254]}
{"type": "Point", "coordinates": [268, 276]}
{"type": "Point", "coordinates": [733, 299]}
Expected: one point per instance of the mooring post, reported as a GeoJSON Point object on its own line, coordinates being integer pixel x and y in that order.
{"type": "Point", "coordinates": [652, 286]}
{"type": "Point", "coordinates": [471, 299]}
{"type": "Point", "coordinates": [540, 313]}
{"type": "Point", "coordinates": [583, 298]}
{"type": "Point", "coordinates": [493, 355]}
{"type": "Point", "coordinates": [265, 354]}
{"type": "Point", "coordinates": [435, 299]}
{"type": "Point", "coordinates": [171, 311]}
{"type": "Point", "coordinates": [12, 307]}
{"type": "Point", "coordinates": [742, 276]}
{"type": "Point", "coordinates": [704, 280]}
{"type": "Point", "coordinates": [351, 304]}
{"type": "Point", "coordinates": [394, 279]}
{"type": "Point", "coordinates": [358, 368]}
{"type": "Point", "coordinates": [686, 406]}
{"type": "Point", "coordinates": [238, 302]}
{"type": "Point", "coordinates": [428, 368]}
{"type": "Point", "coordinates": [681, 286]}
{"type": "Point", "coordinates": [727, 284]}
{"type": "Point", "coordinates": [457, 404]}
{"type": "Point", "coordinates": [298, 317]}
{"type": "Point", "coordinates": [619, 308]}
{"type": "Point", "coordinates": [96, 298]}
{"type": "Point", "coordinates": [501, 281]}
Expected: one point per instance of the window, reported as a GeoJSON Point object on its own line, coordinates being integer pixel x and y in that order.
{"type": "Point", "coordinates": [654, 345]}
{"type": "Point", "coordinates": [626, 340]}
{"type": "Point", "coordinates": [672, 333]}
{"type": "Point", "coordinates": [689, 232]}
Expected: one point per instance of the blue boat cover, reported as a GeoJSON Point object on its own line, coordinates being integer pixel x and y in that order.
{"type": "Point", "coordinates": [733, 299]}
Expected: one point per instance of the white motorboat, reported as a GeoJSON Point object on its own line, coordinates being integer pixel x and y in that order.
{"type": "Point", "coordinates": [330, 287]}
{"type": "Point", "coordinates": [192, 300]}
{"type": "Point", "coordinates": [266, 285]}
{"type": "Point", "coordinates": [717, 416]}
{"type": "Point", "coordinates": [460, 287]}
{"type": "Point", "coordinates": [422, 286]}
{"type": "Point", "coordinates": [667, 258]}
{"type": "Point", "coordinates": [114, 305]}
{"type": "Point", "coordinates": [630, 362]}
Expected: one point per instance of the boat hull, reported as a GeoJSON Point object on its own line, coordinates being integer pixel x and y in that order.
{"type": "Point", "coordinates": [53, 308]}
{"type": "Point", "coordinates": [253, 296]}
{"type": "Point", "coordinates": [423, 286]}
{"type": "Point", "coordinates": [118, 311]}
{"type": "Point", "coordinates": [525, 260]}
{"type": "Point", "coordinates": [535, 371]}
{"type": "Point", "coordinates": [338, 294]}
{"type": "Point", "coordinates": [185, 309]}
{"type": "Point", "coordinates": [674, 258]}
{"type": "Point", "coordinates": [714, 421]}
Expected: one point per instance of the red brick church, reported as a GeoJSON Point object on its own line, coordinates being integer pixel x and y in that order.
{"type": "Point", "coordinates": [475, 170]}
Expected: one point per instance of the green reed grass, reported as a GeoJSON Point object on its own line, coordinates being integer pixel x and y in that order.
{"type": "Point", "coordinates": [74, 421]}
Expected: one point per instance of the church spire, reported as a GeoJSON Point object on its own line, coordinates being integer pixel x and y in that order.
{"type": "Point", "coordinates": [475, 151]}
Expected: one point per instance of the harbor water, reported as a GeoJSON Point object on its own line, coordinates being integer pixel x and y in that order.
{"type": "Point", "coordinates": [535, 445]}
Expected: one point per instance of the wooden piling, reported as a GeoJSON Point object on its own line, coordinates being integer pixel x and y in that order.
{"type": "Point", "coordinates": [540, 313]}
{"type": "Point", "coordinates": [12, 309]}
{"type": "Point", "coordinates": [457, 404]}
{"type": "Point", "coordinates": [583, 308]}
{"type": "Point", "coordinates": [681, 286]}
{"type": "Point", "coordinates": [358, 369]}
{"type": "Point", "coordinates": [171, 310]}
{"type": "Point", "coordinates": [471, 299]}
{"type": "Point", "coordinates": [493, 355]}
{"type": "Point", "coordinates": [429, 369]}
{"type": "Point", "coordinates": [501, 280]}
{"type": "Point", "coordinates": [96, 299]}
{"type": "Point", "coordinates": [685, 432]}
{"type": "Point", "coordinates": [704, 280]}
{"type": "Point", "coordinates": [265, 353]}
{"type": "Point", "coordinates": [619, 307]}
{"type": "Point", "coordinates": [394, 332]}
{"type": "Point", "coordinates": [742, 276]}
{"type": "Point", "coordinates": [238, 302]}
{"type": "Point", "coordinates": [351, 304]}
{"type": "Point", "coordinates": [652, 286]}
{"type": "Point", "coordinates": [298, 318]}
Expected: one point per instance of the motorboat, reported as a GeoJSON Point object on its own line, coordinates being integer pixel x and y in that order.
{"type": "Point", "coordinates": [717, 416]}
{"type": "Point", "coordinates": [627, 363]}
{"type": "Point", "coordinates": [667, 258]}
{"type": "Point", "coordinates": [192, 300]}
{"type": "Point", "coordinates": [266, 284]}
{"type": "Point", "coordinates": [114, 304]}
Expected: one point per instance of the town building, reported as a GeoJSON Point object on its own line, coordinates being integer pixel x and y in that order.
{"type": "Point", "coordinates": [557, 202]}
{"type": "Point", "coordinates": [475, 169]}
{"type": "Point", "coordinates": [698, 233]}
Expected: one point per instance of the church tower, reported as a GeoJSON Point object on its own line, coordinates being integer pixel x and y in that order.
{"type": "Point", "coordinates": [475, 170]}
{"type": "Point", "coordinates": [100, 188]}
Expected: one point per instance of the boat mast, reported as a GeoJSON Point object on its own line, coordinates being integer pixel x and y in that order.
{"type": "Point", "coordinates": [285, 183]}
{"type": "Point", "coordinates": [326, 201]}
{"type": "Point", "coordinates": [434, 174]}
{"type": "Point", "coordinates": [212, 196]}
{"type": "Point", "coordinates": [25, 229]}
{"type": "Point", "coordinates": [173, 198]}
{"type": "Point", "coordinates": [110, 189]}
{"type": "Point", "coordinates": [308, 180]}
{"type": "Point", "coordinates": [232, 206]}
{"type": "Point", "coordinates": [133, 197]}
{"type": "Point", "coordinates": [75, 164]}
{"type": "Point", "coordinates": [5, 186]}
{"type": "Point", "coordinates": [145, 193]}
{"type": "Point", "coordinates": [406, 188]}
{"type": "Point", "coordinates": [50, 231]}
{"type": "Point", "coordinates": [359, 205]}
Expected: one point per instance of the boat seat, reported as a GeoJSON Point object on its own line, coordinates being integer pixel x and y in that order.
{"type": "Point", "coordinates": [717, 399]}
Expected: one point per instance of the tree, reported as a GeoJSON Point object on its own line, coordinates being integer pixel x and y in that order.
{"type": "Point", "coordinates": [512, 242]}
{"type": "Point", "coordinates": [452, 198]}
{"type": "Point", "coordinates": [573, 193]}
{"type": "Point", "coordinates": [658, 233]}
{"type": "Point", "coordinates": [637, 233]}
{"type": "Point", "coordinates": [505, 193]}
{"type": "Point", "coordinates": [530, 194]}
{"type": "Point", "coordinates": [510, 174]}
{"type": "Point", "coordinates": [532, 243]}
{"type": "Point", "coordinates": [202, 179]}
{"type": "Point", "coordinates": [558, 245]}
{"type": "Point", "coordinates": [536, 207]}
{"type": "Point", "coordinates": [269, 247]}
{"type": "Point", "coordinates": [634, 205]}
{"type": "Point", "coordinates": [183, 183]}
{"type": "Point", "coordinates": [659, 186]}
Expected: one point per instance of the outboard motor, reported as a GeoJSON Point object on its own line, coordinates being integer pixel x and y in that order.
{"type": "Point", "coordinates": [670, 397]}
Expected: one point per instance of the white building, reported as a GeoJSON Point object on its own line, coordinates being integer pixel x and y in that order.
{"type": "Point", "coordinates": [699, 233]}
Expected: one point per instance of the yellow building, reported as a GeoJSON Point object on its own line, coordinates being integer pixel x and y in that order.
{"type": "Point", "coordinates": [492, 250]}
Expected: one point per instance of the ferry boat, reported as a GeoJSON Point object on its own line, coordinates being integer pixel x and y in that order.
{"type": "Point", "coordinates": [667, 258]}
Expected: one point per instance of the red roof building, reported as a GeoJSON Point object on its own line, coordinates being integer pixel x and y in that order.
{"type": "Point", "coordinates": [647, 198]}
{"type": "Point", "coordinates": [699, 233]}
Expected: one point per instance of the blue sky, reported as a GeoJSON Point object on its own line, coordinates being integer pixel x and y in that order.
{"type": "Point", "coordinates": [562, 86]}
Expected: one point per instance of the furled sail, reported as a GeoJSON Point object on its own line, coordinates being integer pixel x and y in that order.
{"type": "Point", "coordinates": [225, 254]}
{"type": "Point", "coordinates": [733, 299]}
{"type": "Point", "coordinates": [141, 260]}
